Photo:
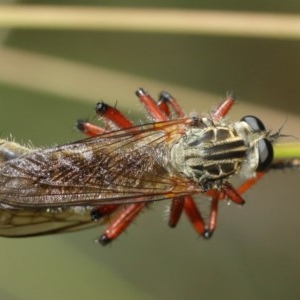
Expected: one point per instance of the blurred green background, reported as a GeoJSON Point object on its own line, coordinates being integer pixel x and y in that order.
{"type": "Point", "coordinates": [50, 78]}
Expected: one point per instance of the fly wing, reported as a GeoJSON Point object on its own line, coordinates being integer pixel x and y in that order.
{"type": "Point", "coordinates": [32, 222]}
{"type": "Point", "coordinates": [122, 166]}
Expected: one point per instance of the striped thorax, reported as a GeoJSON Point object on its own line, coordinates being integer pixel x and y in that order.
{"type": "Point", "coordinates": [211, 152]}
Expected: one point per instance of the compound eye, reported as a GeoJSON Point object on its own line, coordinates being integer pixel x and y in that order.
{"type": "Point", "coordinates": [265, 154]}
{"type": "Point", "coordinates": [255, 123]}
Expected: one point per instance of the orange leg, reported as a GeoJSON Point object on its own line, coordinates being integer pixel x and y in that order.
{"type": "Point", "coordinates": [177, 206]}
{"type": "Point", "coordinates": [112, 114]}
{"type": "Point", "coordinates": [213, 214]}
{"type": "Point", "coordinates": [121, 222]}
{"type": "Point", "coordinates": [223, 109]}
{"type": "Point", "coordinates": [151, 106]}
{"type": "Point", "coordinates": [89, 129]}
{"type": "Point", "coordinates": [168, 99]}
{"type": "Point", "coordinates": [194, 215]}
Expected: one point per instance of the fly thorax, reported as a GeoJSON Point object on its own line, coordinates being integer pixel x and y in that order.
{"type": "Point", "coordinates": [209, 154]}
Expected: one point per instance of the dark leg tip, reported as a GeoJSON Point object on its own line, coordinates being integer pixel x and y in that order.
{"type": "Point", "coordinates": [140, 92]}
{"type": "Point", "coordinates": [164, 96]}
{"type": "Point", "coordinates": [80, 125]}
{"type": "Point", "coordinates": [104, 240]}
{"type": "Point", "coordinates": [207, 234]}
{"type": "Point", "coordinates": [171, 225]}
{"type": "Point", "coordinates": [101, 107]}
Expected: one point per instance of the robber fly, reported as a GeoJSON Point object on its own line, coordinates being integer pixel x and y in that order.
{"type": "Point", "coordinates": [121, 168]}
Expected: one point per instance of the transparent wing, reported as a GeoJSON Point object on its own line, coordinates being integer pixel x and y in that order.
{"type": "Point", "coordinates": [32, 222]}
{"type": "Point", "coordinates": [123, 166]}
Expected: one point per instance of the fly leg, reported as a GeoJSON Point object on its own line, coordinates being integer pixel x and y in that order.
{"type": "Point", "coordinates": [166, 99]}
{"type": "Point", "coordinates": [120, 222]}
{"type": "Point", "coordinates": [89, 129]}
{"type": "Point", "coordinates": [228, 192]}
{"type": "Point", "coordinates": [222, 110]}
{"type": "Point", "coordinates": [109, 114]}
{"type": "Point", "coordinates": [249, 183]}
{"type": "Point", "coordinates": [194, 215]}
